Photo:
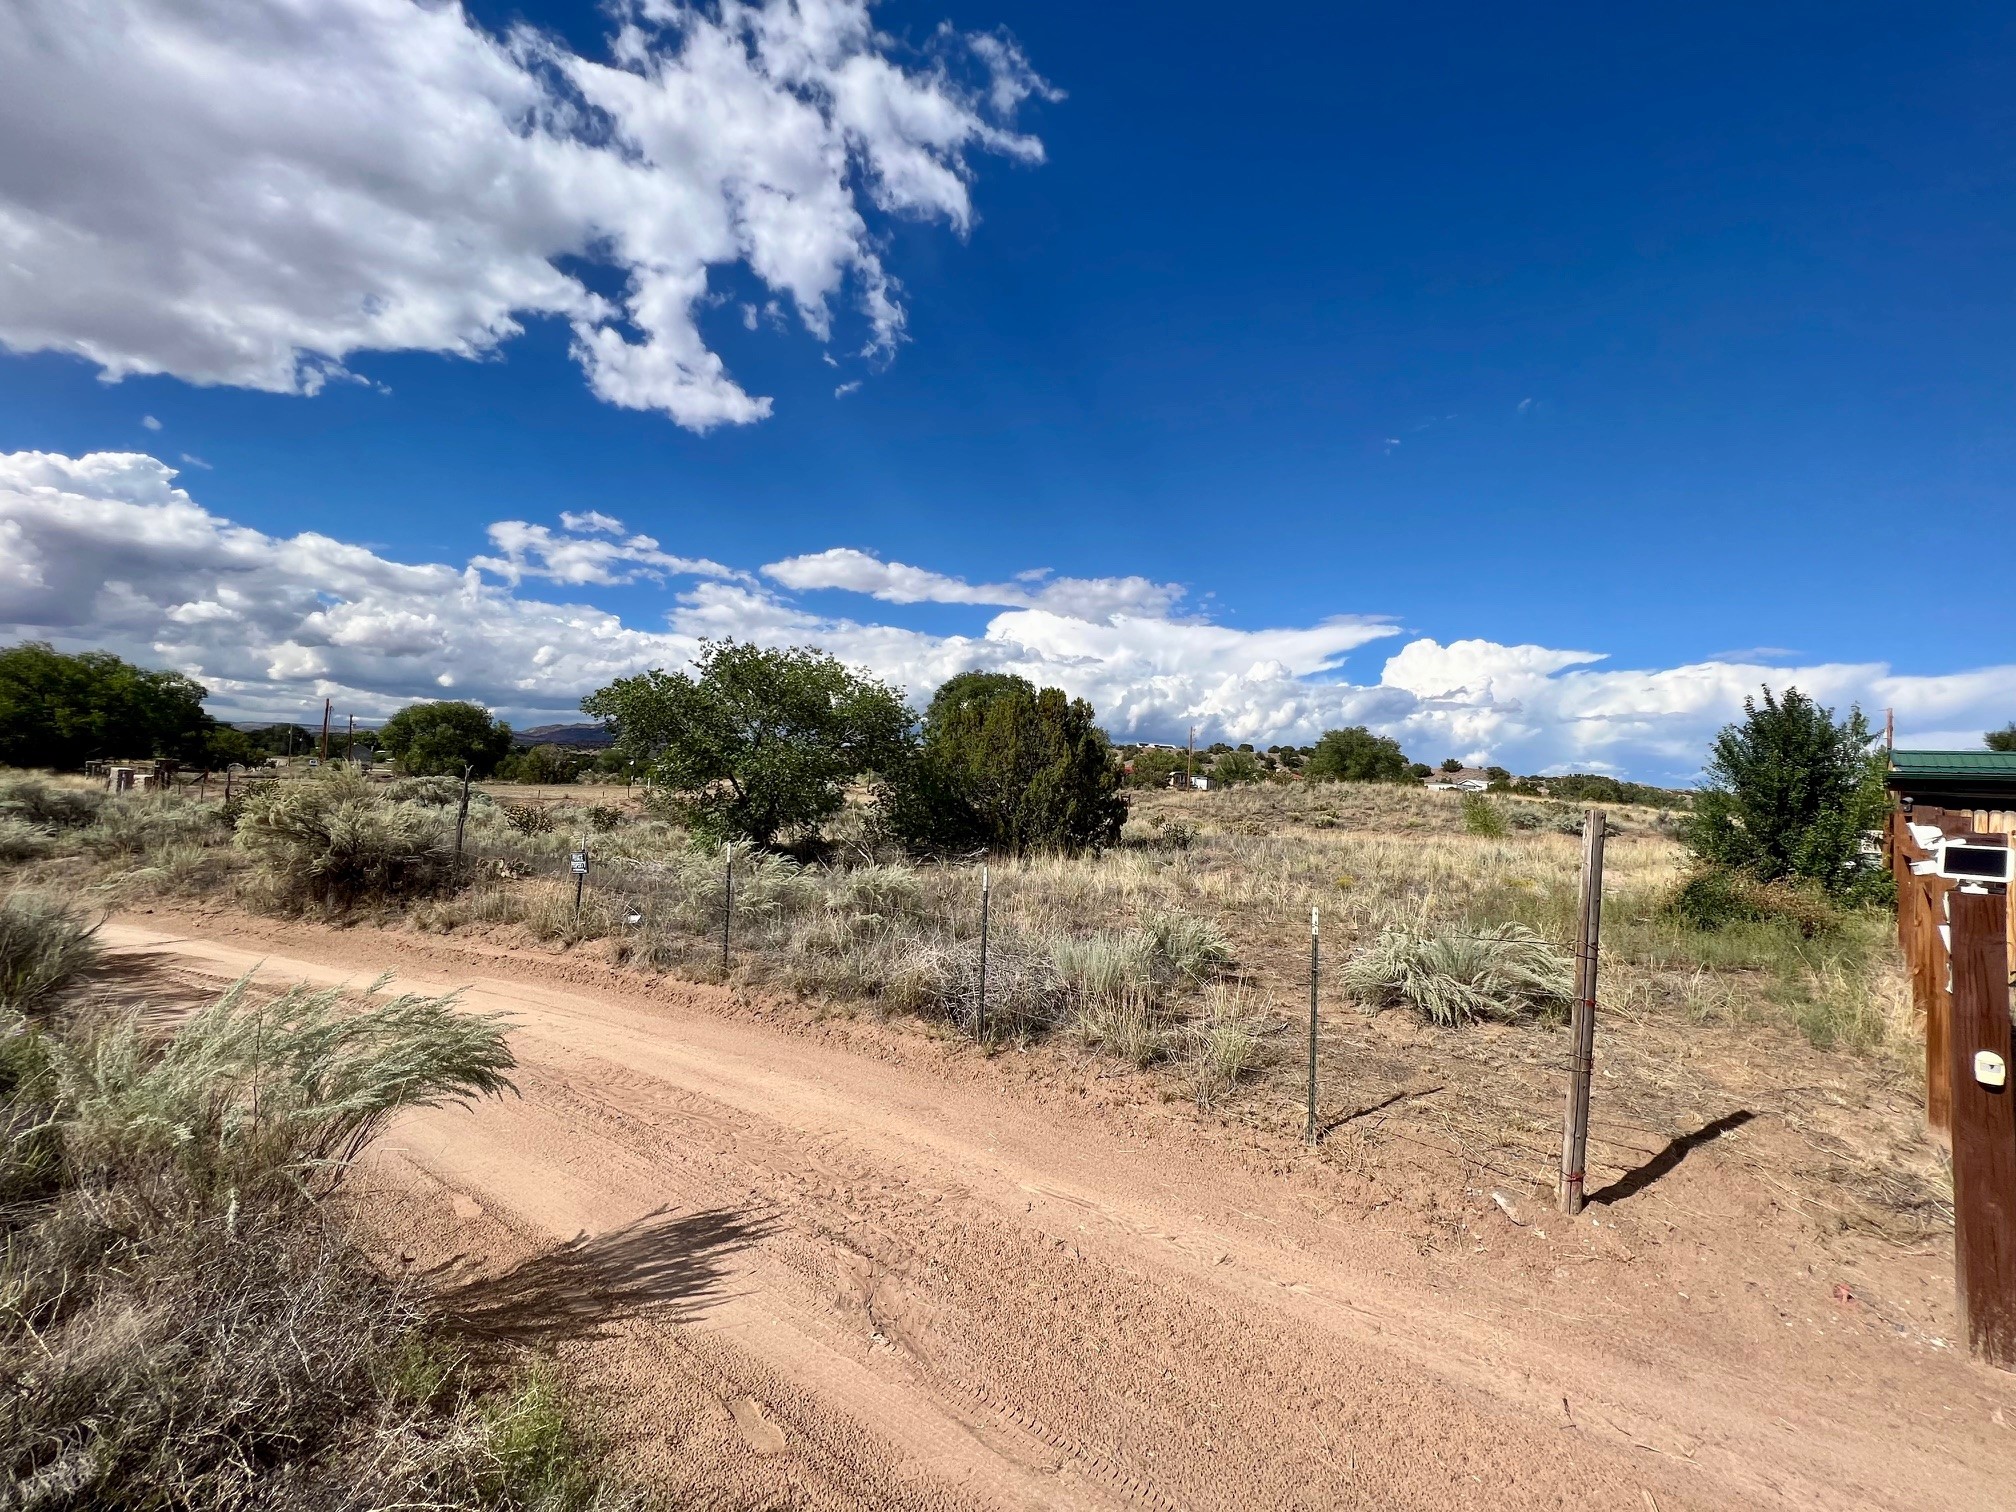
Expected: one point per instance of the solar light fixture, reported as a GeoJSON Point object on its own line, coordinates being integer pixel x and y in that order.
{"type": "Point", "coordinates": [1963, 860]}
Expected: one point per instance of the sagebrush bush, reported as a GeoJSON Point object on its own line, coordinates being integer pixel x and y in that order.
{"type": "Point", "coordinates": [45, 944]}
{"type": "Point", "coordinates": [42, 799]}
{"type": "Point", "coordinates": [434, 792]}
{"type": "Point", "coordinates": [1459, 974]}
{"type": "Point", "coordinates": [141, 824]}
{"type": "Point", "coordinates": [21, 840]}
{"type": "Point", "coordinates": [335, 842]}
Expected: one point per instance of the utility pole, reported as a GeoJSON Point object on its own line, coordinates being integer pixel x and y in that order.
{"type": "Point", "coordinates": [1190, 759]}
{"type": "Point", "coordinates": [350, 743]}
{"type": "Point", "coordinates": [328, 707]}
{"type": "Point", "coordinates": [1582, 1022]}
{"type": "Point", "coordinates": [1889, 729]}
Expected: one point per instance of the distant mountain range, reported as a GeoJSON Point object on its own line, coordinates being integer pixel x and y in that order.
{"type": "Point", "coordinates": [583, 735]}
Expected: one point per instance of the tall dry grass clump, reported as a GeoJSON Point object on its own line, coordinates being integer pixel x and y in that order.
{"type": "Point", "coordinates": [45, 944]}
{"type": "Point", "coordinates": [1454, 974]}
{"type": "Point", "coordinates": [185, 1324]}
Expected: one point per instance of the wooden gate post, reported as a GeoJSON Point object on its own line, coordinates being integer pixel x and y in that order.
{"type": "Point", "coordinates": [1983, 1049]}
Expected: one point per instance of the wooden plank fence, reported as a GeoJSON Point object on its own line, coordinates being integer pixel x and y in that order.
{"type": "Point", "coordinates": [1921, 909]}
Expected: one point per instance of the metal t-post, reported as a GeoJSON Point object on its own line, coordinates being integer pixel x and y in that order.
{"type": "Point", "coordinates": [1315, 974]}
{"type": "Point", "coordinates": [462, 820]}
{"type": "Point", "coordinates": [980, 1005]}
{"type": "Point", "coordinates": [728, 903]}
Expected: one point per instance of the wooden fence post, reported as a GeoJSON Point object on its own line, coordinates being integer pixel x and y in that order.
{"type": "Point", "coordinates": [1582, 1024]}
{"type": "Point", "coordinates": [1984, 1124]}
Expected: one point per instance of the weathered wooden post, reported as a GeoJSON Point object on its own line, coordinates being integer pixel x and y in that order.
{"type": "Point", "coordinates": [1984, 1121]}
{"type": "Point", "coordinates": [1582, 1022]}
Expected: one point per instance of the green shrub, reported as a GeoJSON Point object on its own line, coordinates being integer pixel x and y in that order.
{"type": "Point", "coordinates": [1483, 817]}
{"type": "Point", "coordinates": [1193, 948]}
{"type": "Point", "coordinates": [1713, 898]}
{"type": "Point", "coordinates": [336, 842]}
{"type": "Point", "coordinates": [45, 944]}
{"type": "Point", "coordinates": [1456, 974]}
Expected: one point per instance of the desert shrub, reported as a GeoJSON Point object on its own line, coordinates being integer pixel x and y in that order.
{"type": "Point", "coordinates": [336, 842]}
{"type": "Point", "coordinates": [1165, 833]}
{"type": "Point", "coordinates": [45, 944]}
{"type": "Point", "coordinates": [434, 792]}
{"type": "Point", "coordinates": [1483, 817]}
{"type": "Point", "coordinates": [603, 817]}
{"type": "Point", "coordinates": [1456, 974]}
{"type": "Point", "coordinates": [39, 799]}
{"type": "Point", "coordinates": [1193, 948]}
{"type": "Point", "coordinates": [1713, 898]}
{"type": "Point", "coordinates": [140, 825]}
{"type": "Point", "coordinates": [877, 891]}
{"type": "Point", "coordinates": [22, 841]}
{"type": "Point", "coordinates": [1025, 991]}
{"type": "Point", "coordinates": [1357, 755]}
{"type": "Point", "coordinates": [528, 818]}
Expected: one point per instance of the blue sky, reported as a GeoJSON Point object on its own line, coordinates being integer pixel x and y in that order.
{"type": "Point", "coordinates": [1681, 339]}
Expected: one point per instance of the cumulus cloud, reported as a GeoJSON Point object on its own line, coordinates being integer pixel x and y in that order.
{"type": "Point", "coordinates": [107, 550]}
{"type": "Point", "coordinates": [249, 192]}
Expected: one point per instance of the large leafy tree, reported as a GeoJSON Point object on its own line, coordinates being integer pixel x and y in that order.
{"type": "Point", "coordinates": [2003, 739]}
{"type": "Point", "coordinates": [61, 710]}
{"type": "Point", "coordinates": [444, 738]}
{"type": "Point", "coordinates": [1011, 766]}
{"type": "Point", "coordinates": [758, 742]}
{"type": "Point", "coordinates": [1357, 755]}
{"type": "Point", "coordinates": [1789, 792]}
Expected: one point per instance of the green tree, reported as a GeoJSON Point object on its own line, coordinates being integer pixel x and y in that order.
{"type": "Point", "coordinates": [1237, 767]}
{"type": "Point", "coordinates": [1451, 764]}
{"type": "Point", "coordinates": [760, 741]}
{"type": "Point", "coordinates": [545, 764]}
{"type": "Point", "coordinates": [1357, 755]}
{"type": "Point", "coordinates": [61, 710]}
{"type": "Point", "coordinates": [1790, 792]}
{"type": "Point", "coordinates": [1154, 766]}
{"type": "Point", "coordinates": [2003, 739]}
{"type": "Point", "coordinates": [439, 739]}
{"type": "Point", "coordinates": [1010, 766]}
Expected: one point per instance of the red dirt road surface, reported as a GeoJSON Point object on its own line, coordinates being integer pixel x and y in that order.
{"type": "Point", "coordinates": [799, 1262]}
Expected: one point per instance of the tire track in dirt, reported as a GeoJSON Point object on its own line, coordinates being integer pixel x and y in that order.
{"type": "Point", "coordinates": [1045, 1311]}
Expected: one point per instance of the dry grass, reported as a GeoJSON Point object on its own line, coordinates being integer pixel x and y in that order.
{"type": "Point", "coordinates": [182, 1321]}
{"type": "Point", "coordinates": [1128, 954]}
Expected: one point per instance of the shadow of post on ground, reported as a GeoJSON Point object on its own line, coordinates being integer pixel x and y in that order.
{"type": "Point", "coordinates": [1632, 1182]}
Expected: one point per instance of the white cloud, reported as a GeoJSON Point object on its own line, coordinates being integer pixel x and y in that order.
{"type": "Point", "coordinates": [106, 550]}
{"type": "Point", "coordinates": [150, 422]}
{"type": "Point", "coordinates": [196, 461]}
{"type": "Point", "coordinates": [898, 583]}
{"type": "Point", "coordinates": [591, 522]}
{"type": "Point", "coordinates": [249, 192]}
{"type": "Point", "coordinates": [537, 551]}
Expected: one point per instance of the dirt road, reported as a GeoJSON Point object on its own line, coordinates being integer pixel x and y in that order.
{"type": "Point", "coordinates": [844, 1265]}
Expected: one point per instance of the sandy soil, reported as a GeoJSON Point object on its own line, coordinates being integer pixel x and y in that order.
{"type": "Point", "coordinates": [797, 1259]}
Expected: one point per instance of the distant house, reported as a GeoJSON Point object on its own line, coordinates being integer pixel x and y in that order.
{"type": "Point", "coordinates": [1467, 780]}
{"type": "Point", "coordinates": [1201, 784]}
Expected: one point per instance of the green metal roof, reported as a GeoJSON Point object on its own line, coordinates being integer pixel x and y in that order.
{"type": "Point", "coordinates": [1977, 766]}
